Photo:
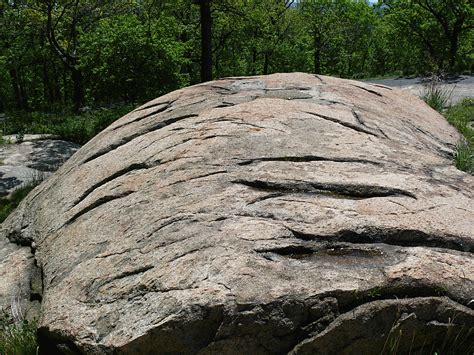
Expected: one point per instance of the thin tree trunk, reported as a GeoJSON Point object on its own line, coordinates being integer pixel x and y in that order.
{"type": "Point", "coordinates": [254, 61]}
{"type": "Point", "coordinates": [317, 53]}
{"type": "Point", "coordinates": [48, 92]}
{"type": "Point", "coordinates": [65, 87]}
{"type": "Point", "coordinates": [56, 83]}
{"type": "Point", "coordinates": [265, 63]}
{"type": "Point", "coordinates": [206, 40]}
{"type": "Point", "coordinates": [24, 95]}
{"type": "Point", "coordinates": [78, 89]}
{"type": "Point", "coordinates": [20, 100]}
{"type": "Point", "coordinates": [453, 49]}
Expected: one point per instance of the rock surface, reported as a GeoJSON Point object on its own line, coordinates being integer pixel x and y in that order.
{"type": "Point", "coordinates": [456, 89]}
{"type": "Point", "coordinates": [33, 159]}
{"type": "Point", "coordinates": [288, 213]}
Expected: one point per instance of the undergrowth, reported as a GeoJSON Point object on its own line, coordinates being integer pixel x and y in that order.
{"type": "Point", "coordinates": [452, 341]}
{"type": "Point", "coordinates": [436, 94]}
{"type": "Point", "coordinates": [77, 128]}
{"type": "Point", "coordinates": [461, 116]}
{"type": "Point", "coordinates": [17, 338]}
{"type": "Point", "coordinates": [8, 204]}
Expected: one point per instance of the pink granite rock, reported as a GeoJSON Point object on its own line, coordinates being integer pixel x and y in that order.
{"type": "Point", "coordinates": [261, 215]}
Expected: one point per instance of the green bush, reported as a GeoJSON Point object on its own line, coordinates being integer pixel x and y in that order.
{"type": "Point", "coordinates": [436, 95]}
{"type": "Point", "coordinates": [77, 128]}
{"type": "Point", "coordinates": [81, 128]}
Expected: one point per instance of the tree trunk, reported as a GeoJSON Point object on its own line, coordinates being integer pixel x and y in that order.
{"type": "Point", "coordinates": [266, 63]}
{"type": "Point", "coordinates": [78, 88]}
{"type": "Point", "coordinates": [254, 61]}
{"type": "Point", "coordinates": [317, 53]}
{"type": "Point", "coordinates": [48, 91]}
{"type": "Point", "coordinates": [206, 40]}
{"type": "Point", "coordinates": [20, 100]}
{"type": "Point", "coordinates": [56, 83]}
{"type": "Point", "coordinates": [453, 50]}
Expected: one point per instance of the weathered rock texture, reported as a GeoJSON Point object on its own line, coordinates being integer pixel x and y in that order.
{"type": "Point", "coordinates": [266, 215]}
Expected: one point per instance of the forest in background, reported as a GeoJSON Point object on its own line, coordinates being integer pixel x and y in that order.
{"type": "Point", "coordinates": [64, 55]}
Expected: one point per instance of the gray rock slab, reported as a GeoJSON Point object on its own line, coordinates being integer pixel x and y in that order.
{"type": "Point", "coordinates": [33, 159]}
{"type": "Point", "coordinates": [288, 213]}
{"type": "Point", "coordinates": [457, 89]}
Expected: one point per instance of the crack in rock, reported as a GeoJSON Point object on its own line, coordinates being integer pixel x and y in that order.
{"type": "Point", "coordinates": [114, 176]}
{"type": "Point", "coordinates": [348, 191]}
{"type": "Point", "coordinates": [368, 90]}
{"type": "Point", "coordinates": [168, 103]}
{"type": "Point", "coordinates": [399, 237]}
{"type": "Point", "coordinates": [163, 108]}
{"type": "Point", "coordinates": [344, 124]}
{"type": "Point", "coordinates": [358, 117]}
{"type": "Point", "coordinates": [125, 140]}
{"type": "Point", "coordinates": [97, 203]}
{"type": "Point", "coordinates": [309, 158]}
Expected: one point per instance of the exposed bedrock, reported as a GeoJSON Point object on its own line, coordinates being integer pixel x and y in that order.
{"type": "Point", "coordinates": [288, 213]}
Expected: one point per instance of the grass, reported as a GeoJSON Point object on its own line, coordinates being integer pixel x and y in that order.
{"type": "Point", "coordinates": [461, 116]}
{"type": "Point", "coordinates": [8, 204]}
{"type": "Point", "coordinates": [4, 140]}
{"type": "Point", "coordinates": [436, 94]}
{"type": "Point", "coordinates": [450, 342]}
{"type": "Point", "coordinates": [17, 338]}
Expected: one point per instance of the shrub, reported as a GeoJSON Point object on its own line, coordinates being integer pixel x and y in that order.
{"type": "Point", "coordinates": [77, 128]}
{"type": "Point", "coordinates": [436, 94]}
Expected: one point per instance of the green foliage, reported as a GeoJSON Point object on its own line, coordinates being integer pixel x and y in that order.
{"type": "Point", "coordinates": [437, 33]}
{"type": "Point", "coordinates": [78, 128]}
{"type": "Point", "coordinates": [128, 59]}
{"type": "Point", "coordinates": [81, 128]}
{"type": "Point", "coordinates": [464, 157]}
{"type": "Point", "coordinates": [461, 116]}
{"type": "Point", "coordinates": [17, 338]}
{"type": "Point", "coordinates": [115, 51]}
{"type": "Point", "coordinates": [436, 94]}
{"type": "Point", "coordinates": [58, 56]}
{"type": "Point", "coordinates": [8, 204]}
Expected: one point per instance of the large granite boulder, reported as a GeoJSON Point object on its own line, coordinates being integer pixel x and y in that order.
{"type": "Point", "coordinates": [289, 213]}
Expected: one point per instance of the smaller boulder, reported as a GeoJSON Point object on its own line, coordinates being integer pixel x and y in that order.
{"type": "Point", "coordinates": [35, 158]}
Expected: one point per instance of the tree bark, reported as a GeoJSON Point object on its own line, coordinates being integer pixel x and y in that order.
{"type": "Point", "coordinates": [67, 56]}
{"type": "Point", "coordinates": [317, 53]}
{"type": "Point", "coordinates": [48, 92]}
{"type": "Point", "coordinates": [266, 63]}
{"type": "Point", "coordinates": [254, 61]}
{"type": "Point", "coordinates": [206, 40]}
{"type": "Point", "coordinates": [78, 88]}
{"type": "Point", "coordinates": [453, 50]}
{"type": "Point", "coordinates": [18, 92]}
